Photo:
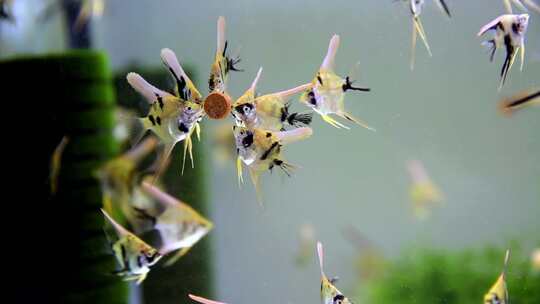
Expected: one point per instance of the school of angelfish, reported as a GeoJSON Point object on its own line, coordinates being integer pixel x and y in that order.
{"type": "Point", "coordinates": [263, 126]}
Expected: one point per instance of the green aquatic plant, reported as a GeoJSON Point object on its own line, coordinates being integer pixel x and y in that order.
{"type": "Point", "coordinates": [443, 276]}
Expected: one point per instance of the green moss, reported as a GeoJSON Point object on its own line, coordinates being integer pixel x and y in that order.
{"type": "Point", "coordinates": [439, 276]}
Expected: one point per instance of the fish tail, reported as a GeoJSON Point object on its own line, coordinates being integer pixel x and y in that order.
{"type": "Point", "coordinates": [296, 119]}
{"type": "Point", "coordinates": [356, 120]}
{"type": "Point", "coordinates": [508, 62]}
{"type": "Point", "coordinates": [334, 122]}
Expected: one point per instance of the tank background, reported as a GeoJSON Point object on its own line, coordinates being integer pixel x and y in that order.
{"type": "Point", "coordinates": [443, 113]}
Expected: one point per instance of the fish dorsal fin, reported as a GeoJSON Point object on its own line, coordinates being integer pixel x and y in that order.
{"type": "Point", "coordinates": [490, 26]}
{"type": "Point", "coordinates": [328, 62]}
{"type": "Point", "coordinates": [505, 267]}
{"type": "Point", "coordinates": [297, 134]}
{"type": "Point", "coordinates": [120, 231]}
{"type": "Point", "coordinates": [144, 88]}
{"type": "Point", "coordinates": [171, 61]}
{"type": "Point", "coordinates": [288, 93]}
{"type": "Point", "coordinates": [220, 35]}
{"type": "Point", "coordinates": [256, 80]}
{"type": "Point", "coordinates": [162, 197]}
{"type": "Point", "coordinates": [203, 300]}
{"type": "Point", "coordinates": [320, 254]}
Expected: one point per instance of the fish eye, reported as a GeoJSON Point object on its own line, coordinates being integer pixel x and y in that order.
{"type": "Point", "coordinates": [338, 299]}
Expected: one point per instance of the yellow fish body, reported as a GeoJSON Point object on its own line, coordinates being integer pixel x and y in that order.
{"type": "Point", "coordinates": [222, 64]}
{"type": "Point", "coordinates": [423, 192]}
{"type": "Point", "coordinates": [171, 118]}
{"type": "Point", "coordinates": [134, 256]}
{"type": "Point", "coordinates": [179, 226]}
{"type": "Point", "coordinates": [328, 90]}
{"type": "Point", "coordinates": [498, 293]}
{"type": "Point", "coordinates": [329, 293]}
{"type": "Point", "coordinates": [268, 112]}
{"type": "Point", "coordinates": [260, 150]}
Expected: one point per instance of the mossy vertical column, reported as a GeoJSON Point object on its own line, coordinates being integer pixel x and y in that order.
{"type": "Point", "coordinates": [68, 95]}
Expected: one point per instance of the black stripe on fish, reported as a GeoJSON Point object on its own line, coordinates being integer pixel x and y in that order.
{"type": "Point", "coordinates": [515, 28]}
{"type": "Point", "coordinates": [268, 134]}
{"type": "Point", "coordinates": [348, 86]}
{"type": "Point", "coordinates": [267, 152]}
{"type": "Point", "coordinates": [285, 112]}
{"type": "Point", "coordinates": [445, 7]}
{"type": "Point", "coordinates": [183, 128]}
{"type": "Point", "coordinates": [160, 99]}
{"type": "Point", "coordinates": [152, 120]}
{"type": "Point", "coordinates": [225, 48]}
{"type": "Point", "coordinates": [523, 100]}
{"type": "Point", "coordinates": [319, 79]}
{"type": "Point", "coordinates": [142, 214]}
{"type": "Point", "coordinates": [509, 54]}
{"type": "Point", "coordinates": [158, 120]}
{"type": "Point", "coordinates": [248, 140]}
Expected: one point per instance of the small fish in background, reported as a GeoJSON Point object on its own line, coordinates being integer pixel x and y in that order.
{"type": "Point", "coordinates": [172, 118]}
{"type": "Point", "coordinates": [306, 237]}
{"type": "Point", "coordinates": [269, 112]}
{"type": "Point", "coordinates": [203, 300]}
{"type": "Point", "coordinates": [370, 260]}
{"type": "Point", "coordinates": [498, 293]}
{"type": "Point", "coordinates": [328, 91]}
{"type": "Point", "coordinates": [535, 260]}
{"type": "Point", "coordinates": [510, 33]}
{"type": "Point", "coordinates": [6, 11]}
{"type": "Point", "coordinates": [56, 162]}
{"type": "Point", "coordinates": [179, 226]}
{"type": "Point", "coordinates": [119, 179]}
{"type": "Point", "coordinates": [222, 64]}
{"type": "Point", "coordinates": [260, 150]}
{"type": "Point", "coordinates": [424, 193]}
{"type": "Point", "coordinates": [521, 6]}
{"type": "Point", "coordinates": [416, 7]}
{"type": "Point", "coordinates": [134, 256]}
{"type": "Point", "coordinates": [329, 293]}
{"type": "Point", "coordinates": [89, 9]}
{"type": "Point", "coordinates": [521, 100]}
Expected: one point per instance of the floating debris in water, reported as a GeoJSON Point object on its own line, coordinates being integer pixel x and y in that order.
{"type": "Point", "coordinates": [498, 293]}
{"type": "Point", "coordinates": [328, 91]}
{"type": "Point", "coordinates": [510, 31]}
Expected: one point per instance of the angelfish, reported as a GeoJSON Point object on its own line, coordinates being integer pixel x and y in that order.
{"type": "Point", "coordinates": [510, 33]}
{"type": "Point", "coordinates": [270, 111]}
{"type": "Point", "coordinates": [329, 293]}
{"type": "Point", "coordinates": [172, 118]}
{"type": "Point", "coordinates": [134, 256]}
{"type": "Point", "coordinates": [222, 64]}
{"type": "Point", "coordinates": [498, 293]}
{"type": "Point", "coordinates": [179, 226]}
{"type": "Point", "coordinates": [261, 150]}
{"type": "Point", "coordinates": [327, 94]}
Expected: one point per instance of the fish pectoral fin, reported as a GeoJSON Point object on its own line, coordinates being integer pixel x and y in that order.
{"type": "Point", "coordinates": [356, 120]}
{"type": "Point", "coordinates": [188, 149]}
{"type": "Point", "coordinates": [239, 171]}
{"type": "Point", "coordinates": [198, 131]}
{"type": "Point", "coordinates": [180, 253]}
{"type": "Point", "coordinates": [420, 29]}
{"type": "Point", "coordinates": [334, 122]}
{"type": "Point", "coordinates": [522, 56]}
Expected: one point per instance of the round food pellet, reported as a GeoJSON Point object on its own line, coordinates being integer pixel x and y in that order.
{"type": "Point", "coordinates": [217, 105]}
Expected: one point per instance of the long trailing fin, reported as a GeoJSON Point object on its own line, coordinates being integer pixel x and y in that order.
{"type": "Point", "coordinates": [356, 120]}
{"type": "Point", "coordinates": [180, 253]}
{"type": "Point", "coordinates": [320, 254]}
{"type": "Point", "coordinates": [414, 36]}
{"type": "Point", "coordinates": [290, 92]}
{"type": "Point", "coordinates": [420, 29]}
{"type": "Point", "coordinates": [239, 171]}
{"type": "Point", "coordinates": [120, 231]}
{"type": "Point", "coordinates": [256, 80]}
{"type": "Point", "coordinates": [290, 136]}
{"type": "Point", "coordinates": [444, 7]}
{"type": "Point", "coordinates": [329, 59]}
{"type": "Point", "coordinates": [160, 196]}
{"type": "Point", "coordinates": [334, 122]}
{"type": "Point", "coordinates": [505, 267]}
{"type": "Point", "coordinates": [220, 35]}
{"type": "Point", "coordinates": [203, 300]}
{"type": "Point", "coordinates": [167, 151]}
{"type": "Point", "coordinates": [522, 56]}
{"type": "Point", "coordinates": [144, 88]}
{"type": "Point", "coordinates": [508, 6]}
{"type": "Point", "coordinates": [490, 26]}
{"type": "Point", "coordinates": [520, 5]}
